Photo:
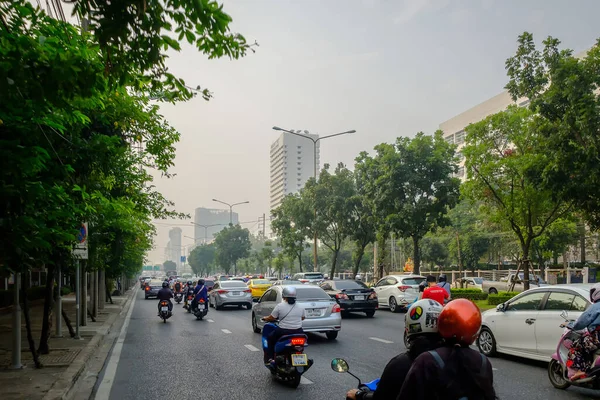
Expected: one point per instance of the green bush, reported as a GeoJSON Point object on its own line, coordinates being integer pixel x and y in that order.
{"type": "Point", "coordinates": [465, 290]}
{"type": "Point", "coordinates": [495, 299]}
{"type": "Point", "coordinates": [65, 291]}
{"type": "Point", "coordinates": [470, 294]}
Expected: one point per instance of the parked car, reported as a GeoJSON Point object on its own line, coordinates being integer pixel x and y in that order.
{"type": "Point", "coordinates": [398, 291]}
{"type": "Point", "coordinates": [258, 287]}
{"type": "Point", "coordinates": [504, 284]}
{"type": "Point", "coordinates": [230, 293]}
{"type": "Point", "coordinates": [308, 277]}
{"type": "Point", "coordinates": [352, 296]}
{"type": "Point", "coordinates": [469, 282]}
{"type": "Point", "coordinates": [286, 282]}
{"type": "Point", "coordinates": [323, 314]}
{"type": "Point", "coordinates": [152, 287]}
{"type": "Point", "coordinates": [528, 325]}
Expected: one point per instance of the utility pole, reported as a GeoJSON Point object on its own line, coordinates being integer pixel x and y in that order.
{"type": "Point", "coordinates": [16, 342]}
{"type": "Point", "coordinates": [58, 305]}
{"type": "Point", "coordinates": [77, 298]}
{"type": "Point", "coordinates": [264, 225]}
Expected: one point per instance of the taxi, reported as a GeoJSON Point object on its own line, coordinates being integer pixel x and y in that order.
{"type": "Point", "coordinates": [258, 287]}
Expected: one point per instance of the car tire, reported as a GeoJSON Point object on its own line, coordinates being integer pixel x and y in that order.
{"type": "Point", "coordinates": [394, 307]}
{"type": "Point", "coordinates": [240, 306]}
{"type": "Point", "coordinates": [145, 297]}
{"type": "Point", "coordinates": [255, 327]}
{"type": "Point", "coordinates": [486, 342]}
{"type": "Point", "coordinates": [493, 291]}
{"type": "Point", "coordinates": [249, 306]}
{"type": "Point", "coordinates": [331, 335]}
{"type": "Point", "coordinates": [370, 313]}
{"type": "Point", "coordinates": [556, 376]}
{"type": "Point", "coordinates": [218, 307]}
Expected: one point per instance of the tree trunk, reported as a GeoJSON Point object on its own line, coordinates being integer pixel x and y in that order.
{"type": "Point", "coordinates": [582, 242]}
{"type": "Point", "coordinates": [526, 262]}
{"type": "Point", "coordinates": [107, 289]}
{"type": "Point", "coordinates": [48, 306]}
{"type": "Point", "coordinates": [300, 261]}
{"type": "Point", "coordinates": [333, 262]}
{"type": "Point", "coordinates": [380, 254]}
{"type": "Point", "coordinates": [416, 256]}
{"type": "Point", "coordinates": [360, 252]}
{"type": "Point", "coordinates": [68, 323]}
{"type": "Point", "coordinates": [555, 259]}
{"type": "Point", "coordinates": [30, 340]}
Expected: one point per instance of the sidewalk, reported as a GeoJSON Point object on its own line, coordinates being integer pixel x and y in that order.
{"type": "Point", "coordinates": [67, 357]}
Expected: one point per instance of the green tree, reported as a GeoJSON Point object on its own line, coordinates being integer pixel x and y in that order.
{"type": "Point", "coordinates": [201, 258]}
{"type": "Point", "coordinates": [232, 244]}
{"type": "Point", "coordinates": [169, 265]}
{"type": "Point", "coordinates": [413, 187]}
{"type": "Point", "coordinates": [362, 221]}
{"type": "Point", "coordinates": [555, 240]}
{"type": "Point", "coordinates": [289, 223]}
{"type": "Point", "coordinates": [279, 263]}
{"type": "Point", "coordinates": [564, 99]}
{"type": "Point", "coordinates": [503, 158]}
{"type": "Point", "coordinates": [434, 250]}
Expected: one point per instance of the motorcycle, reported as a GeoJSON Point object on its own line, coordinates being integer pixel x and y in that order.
{"type": "Point", "coordinates": [201, 309]}
{"type": "Point", "coordinates": [557, 369]}
{"type": "Point", "coordinates": [340, 365]}
{"type": "Point", "coordinates": [165, 314]}
{"type": "Point", "coordinates": [178, 297]}
{"type": "Point", "coordinates": [188, 302]}
{"type": "Point", "coordinates": [289, 361]}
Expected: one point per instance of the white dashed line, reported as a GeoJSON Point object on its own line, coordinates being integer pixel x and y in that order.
{"type": "Point", "coordinates": [225, 331]}
{"type": "Point", "coordinates": [250, 347]}
{"type": "Point", "coordinates": [381, 340]}
{"type": "Point", "coordinates": [494, 369]}
{"type": "Point", "coordinates": [210, 320]}
{"type": "Point", "coordinates": [305, 381]}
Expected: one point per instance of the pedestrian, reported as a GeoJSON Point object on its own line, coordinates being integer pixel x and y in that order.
{"type": "Point", "coordinates": [454, 370]}
{"type": "Point", "coordinates": [443, 283]}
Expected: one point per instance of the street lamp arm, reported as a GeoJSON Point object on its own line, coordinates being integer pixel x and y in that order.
{"type": "Point", "coordinates": [222, 202]}
{"type": "Point", "coordinates": [335, 134]}
{"type": "Point", "coordinates": [294, 133]}
{"type": "Point", "coordinates": [237, 204]}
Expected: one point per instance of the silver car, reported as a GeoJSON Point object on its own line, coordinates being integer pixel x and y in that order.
{"type": "Point", "coordinates": [230, 293]}
{"type": "Point", "coordinates": [323, 314]}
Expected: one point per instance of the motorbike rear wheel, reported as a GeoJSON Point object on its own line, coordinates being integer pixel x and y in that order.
{"type": "Point", "coordinates": [294, 380]}
{"type": "Point", "coordinates": [556, 376]}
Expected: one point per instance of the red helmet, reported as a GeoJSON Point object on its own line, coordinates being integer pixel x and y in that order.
{"type": "Point", "coordinates": [460, 320]}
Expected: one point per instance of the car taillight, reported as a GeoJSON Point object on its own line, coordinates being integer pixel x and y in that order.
{"type": "Point", "coordinates": [373, 296]}
{"type": "Point", "coordinates": [303, 280]}
{"type": "Point", "coordinates": [403, 288]}
{"type": "Point", "coordinates": [248, 291]}
{"type": "Point", "coordinates": [341, 296]}
{"type": "Point", "coordinates": [336, 308]}
{"type": "Point", "coordinates": [222, 291]}
{"type": "Point", "coordinates": [147, 288]}
{"type": "Point", "coordinates": [298, 341]}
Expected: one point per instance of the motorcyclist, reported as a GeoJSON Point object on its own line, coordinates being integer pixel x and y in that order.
{"type": "Point", "coordinates": [177, 286]}
{"type": "Point", "coordinates": [189, 291]}
{"type": "Point", "coordinates": [290, 315]}
{"type": "Point", "coordinates": [423, 335]}
{"type": "Point", "coordinates": [200, 292]}
{"type": "Point", "coordinates": [443, 283]}
{"type": "Point", "coordinates": [165, 294]}
{"type": "Point", "coordinates": [589, 342]}
{"type": "Point", "coordinates": [454, 370]}
{"type": "Point", "coordinates": [435, 292]}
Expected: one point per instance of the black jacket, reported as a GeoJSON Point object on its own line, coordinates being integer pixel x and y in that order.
{"type": "Point", "coordinates": [165, 294]}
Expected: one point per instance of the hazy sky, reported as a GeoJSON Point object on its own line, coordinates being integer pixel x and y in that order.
{"type": "Point", "coordinates": [384, 68]}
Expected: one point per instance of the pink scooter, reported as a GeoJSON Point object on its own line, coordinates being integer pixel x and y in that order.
{"type": "Point", "coordinates": [557, 369]}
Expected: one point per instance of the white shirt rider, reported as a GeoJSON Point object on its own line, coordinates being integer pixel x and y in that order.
{"type": "Point", "coordinates": [290, 316]}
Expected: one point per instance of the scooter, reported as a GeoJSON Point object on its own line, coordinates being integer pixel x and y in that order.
{"type": "Point", "coordinates": [165, 314]}
{"type": "Point", "coordinates": [188, 302]}
{"type": "Point", "coordinates": [557, 369]}
{"type": "Point", "coordinates": [340, 365]}
{"type": "Point", "coordinates": [201, 309]}
{"type": "Point", "coordinates": [178, 297]}
{"type": "Point", "coordinates": [289, 361]}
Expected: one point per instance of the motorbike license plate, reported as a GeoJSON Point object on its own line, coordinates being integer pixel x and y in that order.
{"type": "Point", "coordinates": [313, 312]}
{"type": "Point", "coordinates": [359, 297]}
{"type": "Point", "coordinates": [164, 309]}
{"type": "Point", "coordinates": [299, 360]}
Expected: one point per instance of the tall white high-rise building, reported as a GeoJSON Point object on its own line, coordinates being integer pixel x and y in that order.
{"type": "Point", "coordinates": [292, 164]}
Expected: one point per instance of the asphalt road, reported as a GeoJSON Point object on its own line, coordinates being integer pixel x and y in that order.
{"type": "Point", "coordinates": [219, 358]}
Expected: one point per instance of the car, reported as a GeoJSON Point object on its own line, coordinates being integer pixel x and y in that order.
{"type": "Point", "coordinates": [143, 280]}
{"type": "Point", "coordinates": [323, 314]}
{"type": "Point", "coordinates": [152, 287]}
{"type": "Point", "coordinates": [258, 287]}
{"type": "Point", "coordinates": [396, 292]}
{"type": "Point", "coordinates": [237, 278]}
{"type": "Point", "coordinates": [469, 282]}
{"type": "Point", "coordinates": [286, 282]}
{"type": "Point", "coordinates": [352, 296]}
{"type": "Point", "coordinates": [308, 277]}
{"type": "Point", "coordinates": [528, 325]}
{"type": "Point", "coordinates": [209, 283]}
{"type": "Point", "coordinates": [146, 281]}
{"type": "Point", "coordinates": [230, 293]}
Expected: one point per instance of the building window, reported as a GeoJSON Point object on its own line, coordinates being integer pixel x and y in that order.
{"type": "Point", "coordinates": [450, 139]}
{"type": "Point", "coordinates": [459, 137]}
{"type": "Point", "coordinates": [524, 103]}
{"type": "Point", "coordinates": [461, 172]}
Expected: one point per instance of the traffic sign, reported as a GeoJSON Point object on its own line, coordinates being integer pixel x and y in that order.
{"type": "Point", "coordinates": [81, 247]}
{"type": "Point", "coordinates": [182, 259]}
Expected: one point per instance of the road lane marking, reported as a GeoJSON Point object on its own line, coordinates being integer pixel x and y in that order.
{"type": "Point", "coordinates": [305, 381]}
{"type": "Point", "coordinates": [381, 340]}
{"type": "Point", "coordinates": [105, 387]}
{"type": "Point", "coordinates": [210, 320]}
{"type": "Point", "coordinates": [494, 369]}
{"type": "Point", "coordinates": [250, 347]}
{"type": "Point", "coordinates": [225, 331]}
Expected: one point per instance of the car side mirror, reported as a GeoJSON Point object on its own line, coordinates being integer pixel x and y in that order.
{"type": "Point", "coordinates": [501, 307]}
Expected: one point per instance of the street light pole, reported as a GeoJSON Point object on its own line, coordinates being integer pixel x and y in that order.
{"type": "Point", "coordinates": [231, 208]}
{"type": "Point", "coordinates": [315, 141]}
{"type": "Point", "coordinates": [205, 230]}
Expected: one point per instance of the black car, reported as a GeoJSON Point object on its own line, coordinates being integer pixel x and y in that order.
{"type": "Point", "coordinates": [352, 296]}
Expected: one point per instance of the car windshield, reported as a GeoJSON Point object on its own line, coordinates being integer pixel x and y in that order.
{"type": "Point", "coordinates": [260, 282]}
{"type": "Point", "coordinates": [156, 283]}
{"type": "Point", "coordinates": [412, 281]}
{"type": "Point", "coordinates": [478, 281]}
{"type": "Point", "coordinates": [349, 285]}
{"type": "Point", "coordinates": [288, 282]}
{"type": "Point", "coordinates": [232, 284]}
{"type": "Point", "coordinates": [311, 293]}
{"type": "Point", "coordinates": [313, 276]}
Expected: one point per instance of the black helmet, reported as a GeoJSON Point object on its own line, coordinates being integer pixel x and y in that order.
{"type": "Point", "coordinates": [190, 283]}
{"type": "Point", "coordinates": [442, 278]}
{"type": "Point", "coordinates": [200, 281]}
{"type": "Point", "coordinates": [165, 284]}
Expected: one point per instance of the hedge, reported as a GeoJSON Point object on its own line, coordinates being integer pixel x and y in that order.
{"type": "Point", "coordinates": [65, 290]}
{"type": "Point", "coordinates": [470, 294]}
{"type": "Point", "coordinates": [495, 299]}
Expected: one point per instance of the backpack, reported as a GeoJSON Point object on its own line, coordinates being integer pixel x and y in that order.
{"type": "Point", "coordinates": [438, 359]}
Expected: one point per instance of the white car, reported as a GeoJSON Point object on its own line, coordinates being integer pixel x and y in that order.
{"type": "Point", "coordinates": [397, 291]}
{"type": "Point", "coordinates": [528, 325]}
{"type": "Point", "coordinates": [469, 282]}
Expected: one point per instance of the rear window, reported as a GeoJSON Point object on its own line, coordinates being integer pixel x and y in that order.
{"type": "Point", "coordinates": [350, 285]}
{"type": "Point", "coordinates": [311, 293]}
{"type": "Point", "coordinates": [260, 281]}
{"type": "Point", "coordinates": [232, 284]}
{"type": "Point", "coordinates": [412, 281]}
{"type": "Point", "coordinates": [313, 276]}
{"type": "Point", "coordinates": [209, 283]}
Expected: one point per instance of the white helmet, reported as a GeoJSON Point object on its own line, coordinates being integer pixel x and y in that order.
{"type": "Point", "coordinates": [289, 292]}
{"type": "Point", "coordinates": [422, 317]}
{"type": "Point", "coordinates": [595, 293]}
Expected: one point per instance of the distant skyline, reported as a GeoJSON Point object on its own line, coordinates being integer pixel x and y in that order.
{"type": "Point", "coordinates": [383, 68]}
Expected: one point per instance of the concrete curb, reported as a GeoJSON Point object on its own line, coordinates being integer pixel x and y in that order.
{"type": "Point", "coordinates": [61, 388]}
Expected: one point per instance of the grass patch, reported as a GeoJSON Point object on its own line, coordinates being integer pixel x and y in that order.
{"type": "Point", "coordinates": [483, 305]}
